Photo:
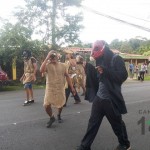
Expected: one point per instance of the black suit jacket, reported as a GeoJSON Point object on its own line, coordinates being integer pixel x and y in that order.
{"type": "Point", "coordinates": [113, 77]}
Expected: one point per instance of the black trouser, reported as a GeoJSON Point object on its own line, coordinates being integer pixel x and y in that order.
{"type": "Point", "coordinates": [101, 108]}
{"type": "Point", "coordinates": [142, 75]}
{"type": "Point", "coordinates": [76, 96]}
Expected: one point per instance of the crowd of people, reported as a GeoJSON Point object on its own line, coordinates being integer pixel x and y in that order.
{"type": "Point", "coordinates": [61, 80]}
{"type": "Point", "coordinates": [138, 70]}
{"type": "Point", "coordinates": [101, 85]}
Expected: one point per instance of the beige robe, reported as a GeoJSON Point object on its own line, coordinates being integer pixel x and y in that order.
{"type": "Point", "coordinates": [28, 71]}
{"type": "Point", "coordinates": [55, 85]}
{"type": "Point", "coordinates": [80, 74]}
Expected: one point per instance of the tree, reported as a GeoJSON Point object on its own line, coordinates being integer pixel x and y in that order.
{"type": "Point", "coordinates": [133, 45]}
{"type": "Point", "coordinates": [13, 40]}
{"type": "Point", "coordinates": [116, 44]}
{"type": "Point", "coordinates": [144, 47]}
{"type": "Point", "coordinates": [126, 47]}
{"type": "Point", "coordinates": [51, 20]}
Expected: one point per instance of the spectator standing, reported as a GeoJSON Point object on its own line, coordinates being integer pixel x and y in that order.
{"type": "Point", "coordinates": [131, 70]}
{"type": "Point", "coordinates": [136, 71]}
{"type": "Point", "coordinates": [142, 72]}
{"type": "Point", "coordinates": [146, 68]}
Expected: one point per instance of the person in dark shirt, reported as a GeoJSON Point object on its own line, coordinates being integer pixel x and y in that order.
{"type": "Point", "coordinates": [108, 100]}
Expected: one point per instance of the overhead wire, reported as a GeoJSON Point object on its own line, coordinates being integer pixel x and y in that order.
{"type": "Point", "coordinates": [133, 16]}
{"type": "Point", "coordinates": [116, 19]}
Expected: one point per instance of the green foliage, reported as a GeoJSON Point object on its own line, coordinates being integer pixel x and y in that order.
{"type": "Point", "coordinates": [70, 33]}
{"type": "Point", "coordinates": [115, 44]}
{"type": "Point", "coordinates": [137, 45]}
{"type": "Point", "coordinates": [144, 47]}
{"type": "Point", "coordinates": [19, 87]}
{"type": "Point", "coordinates": [126, 47]}
{"type": "Point", "coordinates": [146, 53]}
{"type": "Point", "coordinates": [147, 78]}
{"type": "Point", "coordinates": [51, 20]}
{"type": "Point", "coordinates": [14, 39]}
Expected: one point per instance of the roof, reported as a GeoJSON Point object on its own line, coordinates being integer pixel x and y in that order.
{"type": "Point", "coordinates": [133, 56]}
{"type": "Point", "coordinates": [123, 55]}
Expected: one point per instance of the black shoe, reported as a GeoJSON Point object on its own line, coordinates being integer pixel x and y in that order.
{"type": "Point", "coordinates": [31, 101]}
{"type": "Point", "coordinates": [65, 105]}
{"type": "Point", "coordinates": [59, 119]}
{"type": "Point", "coordinates": [26, 103]}
{"type": "Point", "coordinates": [77, 102]}
{"type": "Point", "coordinates": [122, 147]}
{"type": "Point", "coordinates": [51, 121]}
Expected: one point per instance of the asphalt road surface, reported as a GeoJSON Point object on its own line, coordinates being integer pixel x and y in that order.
{"type": "Point", "coordinates": [24, 127]}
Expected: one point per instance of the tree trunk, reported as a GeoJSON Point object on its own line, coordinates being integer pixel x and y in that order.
{"type": "Point", "coordinates": [53, 24]}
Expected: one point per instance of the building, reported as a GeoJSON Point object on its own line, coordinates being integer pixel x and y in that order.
{"type": "Point", "coordinates": [129, 58]}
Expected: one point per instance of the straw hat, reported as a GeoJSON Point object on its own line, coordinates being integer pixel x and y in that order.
{"type": "Point", "coordinates": [68, 51]}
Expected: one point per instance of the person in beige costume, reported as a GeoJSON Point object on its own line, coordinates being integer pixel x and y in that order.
{"type": "Point", "coordinates": [71, 67]}
{"type": "Point", "coordinates": [80, 74]}
{"type": "Point", "coordinates": [56, 73]}
{"type": "Point", "coordinates": [29, 75]}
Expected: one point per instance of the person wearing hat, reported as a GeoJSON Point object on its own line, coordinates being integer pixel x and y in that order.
{"type": "Point", "coordinates": [56, 74]}
{"type": "Point", "coordinates": [70, 63]}
{"type": "Point", "coordinates": [80, 74]}
{"type": "Point", "coordinates": [108, 101]}
{"type": "Point", "coordinates": [29, 75]}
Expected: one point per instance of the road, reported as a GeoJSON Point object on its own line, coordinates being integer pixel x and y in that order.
{"type": "Point", "coordinates": [24, 128]}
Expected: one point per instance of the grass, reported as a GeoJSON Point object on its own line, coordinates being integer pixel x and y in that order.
{"type": "Point", "coordinates": [10, 88]}
{"type": "Point", "coordinates": [39, 86]}
{"type": "Point", "coordinates": [147, 78]}
{"type": "Point", "coordinates": [19, 87]}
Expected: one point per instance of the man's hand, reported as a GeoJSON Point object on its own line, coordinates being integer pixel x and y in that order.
{"type": "Point", "coordinates": [48, 55]}
{"type": "Point", "coordinates": [34, 78]}
{"type": "Point", "coordinates": [21, 79]}
{"type": "Point", "coordinates": [100, 69]}
{"type": "Point", "coordinates": [73, 91]}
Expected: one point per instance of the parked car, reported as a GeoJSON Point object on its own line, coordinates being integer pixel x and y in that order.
{"type": "Point", "coordinates": [4, 80]}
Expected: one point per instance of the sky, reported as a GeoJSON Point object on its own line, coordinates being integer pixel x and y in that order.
{"type": "Point", "coordinates": [96, 26]}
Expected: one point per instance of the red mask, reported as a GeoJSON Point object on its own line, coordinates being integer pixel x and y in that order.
{"type": "Point", "coordinates": [98, 49]}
